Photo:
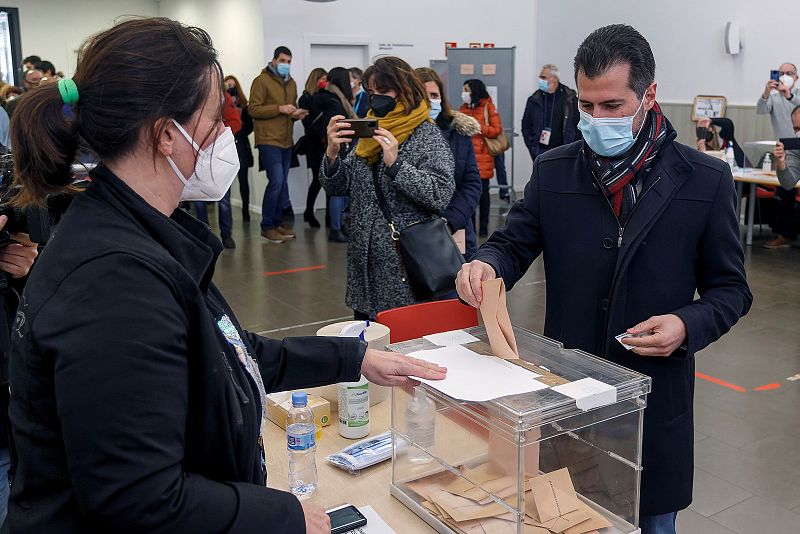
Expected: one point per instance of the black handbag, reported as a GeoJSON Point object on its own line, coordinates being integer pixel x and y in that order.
{"type": "Point", "coordinates": [430, 255]}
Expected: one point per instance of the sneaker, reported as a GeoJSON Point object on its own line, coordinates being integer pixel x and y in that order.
{"type": "Point", "coordinates": [337, 236]}
{"type": "Point", "coordinates": [285, 232]}
{"type": "Point", "coordinates": [228, 242]}
{"type": "Point", "coordinates": [778, 242]}
{"type": "Point", "coordinates": [273, 235]}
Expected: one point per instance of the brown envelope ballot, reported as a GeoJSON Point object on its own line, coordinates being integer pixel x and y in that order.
{"type": "Point", "coordinates": [553, 495]}
{"type": "Point", "coordinates": [596, 522]}
{"type": "Point", "coordinates": [571, 519]}
{"type": "Point", "coordinates": [494, 313]}
{"type": "Point", "coordinates": [461, 509]}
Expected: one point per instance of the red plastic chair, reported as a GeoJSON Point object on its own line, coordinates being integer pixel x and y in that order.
{"type": "Point", "coordinates": [417, 320]}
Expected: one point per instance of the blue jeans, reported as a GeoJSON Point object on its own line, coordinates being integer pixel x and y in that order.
{"type": "Point", "coordinates": [224, 213]}
{"type": "Point", "coordinates": [658, 524]}
{"type": "Point", "coordinates": [5, 490]}
{"type": "Point", "coordinates": [337, 206]}
{"type": "Point", "coordinates": [275, 161]}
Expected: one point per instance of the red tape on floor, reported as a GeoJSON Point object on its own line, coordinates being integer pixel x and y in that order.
{"type": "Point", "coordinates": [767, 387]}
{"type": "Point", "coordinates": [719, 382]}
{"type": "Point", "coordinates": [298, 270]}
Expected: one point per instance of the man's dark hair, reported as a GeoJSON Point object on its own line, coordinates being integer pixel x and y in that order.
{"type": "Point", "coordinates": [33, 60]}
{"type": "Point", "coordinates": [281, 50]}
{"type": "Point", "coordinates": [618, 44]}
{"type": "Point", "coordinates": [45, 67]}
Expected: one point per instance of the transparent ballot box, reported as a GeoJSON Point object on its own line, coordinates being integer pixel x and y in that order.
{"type": "Point", "coordinates": [563, 459]}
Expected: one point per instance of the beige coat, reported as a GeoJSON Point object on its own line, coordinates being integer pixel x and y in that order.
{"type": "Point", "coordinates": [267, 94]}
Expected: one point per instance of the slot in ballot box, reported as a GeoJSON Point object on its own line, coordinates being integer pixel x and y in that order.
{"type": "Point", "coordinates": [564, 459]}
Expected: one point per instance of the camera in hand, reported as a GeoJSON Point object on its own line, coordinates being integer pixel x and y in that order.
{"type": "Point", "coordinates": [35, 221]}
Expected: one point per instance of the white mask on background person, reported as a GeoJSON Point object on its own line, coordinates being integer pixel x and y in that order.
{"type": "Point", "coordinates": [214, 171]}
{"type": "Point", "coordinates": [787, 80]}
{"type": "Point", "coordinates": [466, 98]}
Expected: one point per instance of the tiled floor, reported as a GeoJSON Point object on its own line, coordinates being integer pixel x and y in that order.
{"type": "Point", "coordinates": [747, 444]}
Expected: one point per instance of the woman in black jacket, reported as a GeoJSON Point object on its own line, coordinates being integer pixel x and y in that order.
{"type": "Point", "coordinates": [336, 98]}
{"type": "Point", "coordinates": [312, 147]}
{"type": "Point", "coordinates": [137, 398]}
{"type": "Point", "coordinates": [243, 147]}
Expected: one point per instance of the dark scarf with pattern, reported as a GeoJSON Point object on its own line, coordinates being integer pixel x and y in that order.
{"type": "Point", "coordinates": [619, 176]}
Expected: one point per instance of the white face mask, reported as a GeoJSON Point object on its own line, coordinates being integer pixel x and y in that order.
{"type": "Point", "coordinates": [788, 81]}
{"type": "Point", "coordinates": [215, 170]}
{"type": "Point", "coordinates": [466, 97]}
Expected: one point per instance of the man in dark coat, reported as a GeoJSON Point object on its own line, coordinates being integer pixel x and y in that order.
{"type": "Point", "coordinates": [551, 114]}
{"type": "Point", "coordinates": [630, 224]}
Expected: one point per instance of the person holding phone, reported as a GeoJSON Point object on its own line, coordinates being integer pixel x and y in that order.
{"type": "Point", "coordinates": [779, 98]}
{"type": "Point", "coordinates": [138, 400]}
{"type": "Point", "coordinates": [413, 166]}
{"type": "Point", "coordinates": [787, 167]}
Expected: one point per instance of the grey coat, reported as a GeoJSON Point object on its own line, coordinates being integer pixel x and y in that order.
{"type": "Point", "coordinates": [420, 190]}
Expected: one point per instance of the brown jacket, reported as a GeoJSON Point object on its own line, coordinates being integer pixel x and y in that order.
{"type": "Point", "coordinates": [268, 92]}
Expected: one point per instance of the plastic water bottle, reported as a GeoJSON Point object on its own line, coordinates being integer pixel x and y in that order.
{"type": "Point", "coordinates": [302, 447]}
{"type": "Point", "coordinates": [421, 422]}
{"type": "Point", "coordinates": [767, 164]}
{"type": "Point", "coordinates": [730, 157]}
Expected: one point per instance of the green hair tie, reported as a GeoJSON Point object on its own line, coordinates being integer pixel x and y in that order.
{"type": "Point", "coordinates": [69, 91]}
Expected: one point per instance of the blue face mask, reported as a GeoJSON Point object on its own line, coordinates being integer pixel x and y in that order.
{"type": "Point", "coordinates": [608, 137]}
{"type": "Point", "coordinates": [543, 85]}
{"type": "Point", "coordinates": [436, 108]}
{"type": "Point", "coordinates": [283, 69]}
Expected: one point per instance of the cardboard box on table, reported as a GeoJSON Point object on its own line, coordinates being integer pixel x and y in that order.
{"type": "Point", "coordinates": [488, 458]}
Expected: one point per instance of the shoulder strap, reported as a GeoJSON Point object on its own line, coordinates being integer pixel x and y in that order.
{"type": "Point", "coordinates": [379, 193]}
{"type": "Point", "coordinates": [486, 113]}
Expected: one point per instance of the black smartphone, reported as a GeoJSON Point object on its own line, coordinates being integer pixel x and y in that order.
{"type": "Point", "coordinates": [346, 518]}
{"type": "Point", "coordinates": [775, 75]}
{"type": "Point", "coordinates": [363, 128]}
{"type": "Point", "coordinates": [791, 143]}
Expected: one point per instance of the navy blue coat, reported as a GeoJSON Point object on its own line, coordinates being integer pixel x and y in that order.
{"type": "Point", "coordinates": [459, 214]}
{"type": "Point", "coordinates": [683, 236]}
{"type": "Point", "coordinates": [533, 120]}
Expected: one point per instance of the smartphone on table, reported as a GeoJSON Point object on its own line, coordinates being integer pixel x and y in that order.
{"type": "Point", "coordinates": [363, 128]}
{"type": "Point", "coordinates": [346, 518]}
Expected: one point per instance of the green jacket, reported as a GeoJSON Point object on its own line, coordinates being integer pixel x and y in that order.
{"type": "Point", "coordinates": [267, 93]}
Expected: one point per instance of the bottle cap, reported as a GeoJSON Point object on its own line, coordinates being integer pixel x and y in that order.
{"type": "Point", "coordinates": [299, 398]}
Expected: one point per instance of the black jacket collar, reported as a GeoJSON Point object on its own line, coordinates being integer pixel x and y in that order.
{"type": "Point", "coordinates": [185, 238]}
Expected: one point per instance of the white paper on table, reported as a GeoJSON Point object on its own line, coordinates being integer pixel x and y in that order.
{"type": "Point", "coordinates": [453, 337]}
{"type": "Point", "coordinates": [588, 393]}
{"type": "Point", "coordinates": [375, 523]}
{"type": "Point", "coordinates": [474, 377]}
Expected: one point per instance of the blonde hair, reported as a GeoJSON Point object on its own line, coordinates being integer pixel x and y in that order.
{"type": "Point", "coordinates": [313, 79]}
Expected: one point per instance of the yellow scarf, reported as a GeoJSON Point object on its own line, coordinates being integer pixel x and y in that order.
{"type": "Point", "coordinates": [397, 122]}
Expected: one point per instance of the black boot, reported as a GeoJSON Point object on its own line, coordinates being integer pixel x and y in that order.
{"type": "Point", "coordinates": [308, 217]}
{"type": "Point", "coordinates": [337, 236]}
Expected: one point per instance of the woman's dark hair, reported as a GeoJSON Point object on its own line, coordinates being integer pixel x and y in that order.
{"type": "Point", "coordinates": [33, 60]}
{"type": "Point", "coordinates": [340, 77]}
{"type": "Point", "coordinates": [618, 44]}
{"type": "Point", "coordinates": [427, 74]}
{"type": "Point", "coordinates": [478, 90]}
{"type": "Point", "coordinates": [114, 112]}
{"type": "Point", "coordinates": [45, 67]}
{"type": "Point", "coordinates": [240, 96]}
{"type": "Point", "coordinates": [392, 73]}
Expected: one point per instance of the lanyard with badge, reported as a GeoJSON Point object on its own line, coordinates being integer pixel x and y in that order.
{"type": "Point", "coordinates": [358, 100]}
{"type": "Point", "coordinates": [547, 131]}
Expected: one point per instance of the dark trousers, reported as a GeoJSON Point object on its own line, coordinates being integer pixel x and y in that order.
{"type": "Point", "coordinates": [224, 213]}
{"type": "Point", "coordinates": [244, 186]}
{"type": "Point", "coordinates": [276, 162]}
{"type": "Point", "coordinates": [787, 222]}
{"type": "Point", "coordinates": [313, 190]}
{"type": "Point", "coordinates": [483, 224]}
{"type": "Point", "coordinates": [500, 172]}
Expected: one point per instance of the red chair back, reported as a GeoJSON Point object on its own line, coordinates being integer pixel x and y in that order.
{"type": "Point", "coordinates": [417, 320]}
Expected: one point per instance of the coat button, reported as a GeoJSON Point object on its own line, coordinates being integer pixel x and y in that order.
{"type": "Point", "coordinates": [608, 243]}
{"type": "Point", "coordinates": [604, 304]}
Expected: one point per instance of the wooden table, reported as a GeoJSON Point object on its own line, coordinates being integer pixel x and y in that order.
{"type": "Point", "coordinates": [753, 177]}
{"type": "Point", "coordinates": [335, 486]}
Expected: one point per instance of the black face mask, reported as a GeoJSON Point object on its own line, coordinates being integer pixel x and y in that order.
{"type": "Point", "coordinates": [232, 92]}
{"type": "Point", "coordinates": [382, 105]}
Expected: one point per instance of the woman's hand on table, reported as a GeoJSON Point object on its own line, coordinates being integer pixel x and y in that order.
{"type": "Point", "coordinates": [392, 369]}
{"type": "Point", "coordinates": [317, 521]}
